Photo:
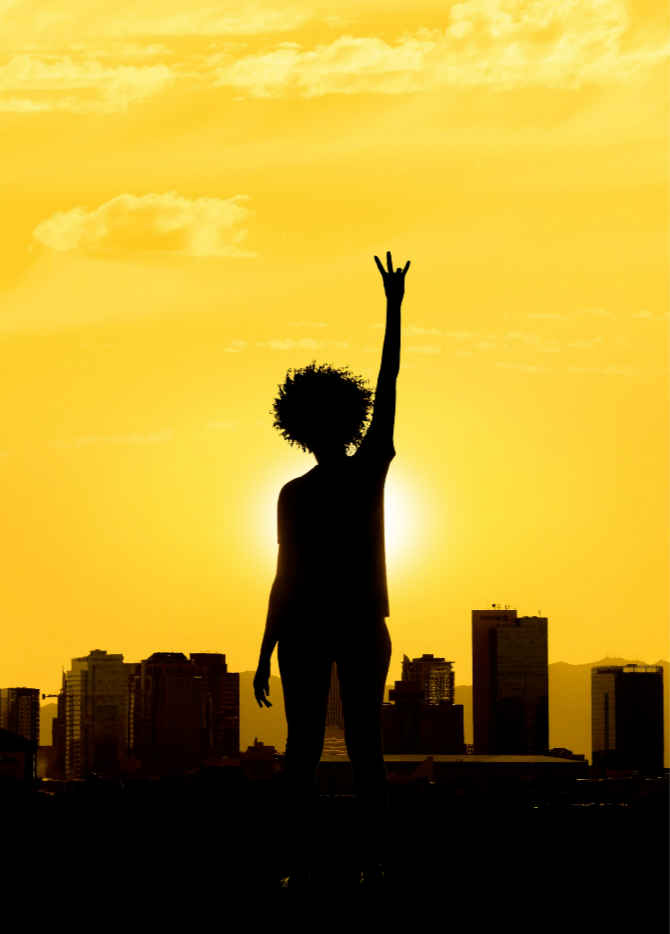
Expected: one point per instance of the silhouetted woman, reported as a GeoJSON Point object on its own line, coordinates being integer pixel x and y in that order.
{"type": "Point", "coordinates": [329, 599]}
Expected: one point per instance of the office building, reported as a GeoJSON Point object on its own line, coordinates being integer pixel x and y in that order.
{"type": "Point", "coordinates": [183, 711]}
{"type": "Point", "coordinates": [166, 718]}
{"type": "Point", "coordinates": [410, 724]}
{"type": "Point", "coordinates": [90, 729]}
{"type": "Point", "coordinates": [627, 717]}
{"type": "Point", "coordinates": [18, 760]}
{"type": "Point", "coordinates": [20, 712]}
{"type": "Point", "coordinates": [510, 683]}
{"type": "Point", "coordinates": [217, 691]}
{"type": "Point", "coordinates": [435, 675]}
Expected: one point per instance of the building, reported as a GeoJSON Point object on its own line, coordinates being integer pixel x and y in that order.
{"type": "Point", "coordinates": [435, 675]}
{"type": "Point", "coordinates": [91, 726]}
{"type": "Point", "coordinates": [183, 711]}
{"type": "Point", "coordinates": [18, 757]}
{"type": "Point", "coordinates": [58, 735]}
{"type": "Point", "coordinates": [510, 683]}
{"type": "Point", "coordinates": [627, 717]}
{"type": "Point", "coordinates": [218, 694]}
{"type": "Point", "coordinates": [166, 720]}
{"type": "Point", "coordinates": [410, 724]}
{"type": "Point", "coordinates": [20, 712]}
{"type": "Point", "coordinates": [260, 760]}
{"type": "Point", "coordinates": [334, 711]}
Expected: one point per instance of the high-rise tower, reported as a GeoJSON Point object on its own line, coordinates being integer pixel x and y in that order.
{"type": "Point", "coordinates": [435, 675]}
{"type": "Point", "coordinates": [510, 682]}
{"type": "Point", "coordinates": [627, 717]}
{"type": "Point", "coordinates": [95, 703]}
{"type": "Point", "coordinates": [20, 712]}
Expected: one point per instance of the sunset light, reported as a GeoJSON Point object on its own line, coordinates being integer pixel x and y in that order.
{"type": "Point", "coordinates": [192, 198]}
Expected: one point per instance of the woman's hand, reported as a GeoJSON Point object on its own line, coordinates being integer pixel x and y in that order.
{"type": "Point", "coordinates": [262, 684]}
{"type": "Point", "coordinates": [394, 280]}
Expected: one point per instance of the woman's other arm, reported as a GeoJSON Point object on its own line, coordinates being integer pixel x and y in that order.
{"type": "Point", "coordinates": [383, 417]}
{"type": "Point", "coordinates": [276, 610]}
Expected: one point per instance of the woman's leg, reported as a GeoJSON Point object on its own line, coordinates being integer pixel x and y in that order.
{"type": "Point", "coordinates": [362, 662]}
{"type": "Point", "coordinates": [305, 667]}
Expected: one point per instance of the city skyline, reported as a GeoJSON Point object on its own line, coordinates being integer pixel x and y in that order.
{"type": "Point", "coordinates": [569, 707]}
{"type": "Point", "coordinates": [176, 233]}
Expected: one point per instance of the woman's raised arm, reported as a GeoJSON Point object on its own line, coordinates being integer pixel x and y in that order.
{"type": "Point", "coordinates": [383, 417]}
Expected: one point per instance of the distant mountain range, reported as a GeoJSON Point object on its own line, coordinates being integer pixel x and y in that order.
{"type": "Point", "coordinates": [569, 708]}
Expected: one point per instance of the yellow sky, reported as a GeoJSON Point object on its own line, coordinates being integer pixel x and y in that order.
{"type": "Point", "coordinates": [191, 199]}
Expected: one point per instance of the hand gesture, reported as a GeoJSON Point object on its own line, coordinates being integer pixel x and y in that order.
{"type": "Point", "coordinates": [394, 280]}
{"type": "Point", "coordinates": [262, 684]}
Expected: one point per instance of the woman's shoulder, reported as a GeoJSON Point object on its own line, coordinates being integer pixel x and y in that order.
{"type": "Point", "coordinates": [295, 486]}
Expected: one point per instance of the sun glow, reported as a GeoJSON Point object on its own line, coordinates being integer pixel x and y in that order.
{"type": "Point", "coordinates": [401, 521]}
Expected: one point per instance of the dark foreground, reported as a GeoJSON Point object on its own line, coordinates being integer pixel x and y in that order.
{"type": "Point", "coordinates": [174, 856]}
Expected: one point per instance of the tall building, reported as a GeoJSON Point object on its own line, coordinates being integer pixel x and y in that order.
{"type": "Point", "coordinates": [334, 711]}
{"type": "Point", "coordinates": [435, 675]}
{"type": "Point", "coordinates": [183, 711]}
{"type": "Point", "coordinates": [166, 714]}
{"type": "Point", "coordinates": [95, 707]}
{"type": "Point", "coordinates": [510, 683]}
{"type": "Point", "coordinates": [627, 717]}
{"type": "Point", "coordinates": [20, 712]}
{"type": "Point", "coordinates": [410, 724]}
{"type": "Point", "coordinates": [218, 694]}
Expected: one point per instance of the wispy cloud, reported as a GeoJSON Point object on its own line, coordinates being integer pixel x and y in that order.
{"type": "Point", "coordinates": [414, 331]}
{"type": "Point", "coordinates": [594, 313]}
{"type": "Point", "coordinates": [254, 19]}
{"type": "Point", "coordinates": [236, 346]}
{"type": "Point", "coordinates": [157, 437]}
{"type": "Point", "coordinates": [611, 370]}
{"type": "Point", "coordinates": [167, 223]}
{"type": "Point", "coordinates": [40, 84]}
{"type": "Point", "coordinates": [306, 343]}
{"type": "Point", "coordinates": [501, 44]}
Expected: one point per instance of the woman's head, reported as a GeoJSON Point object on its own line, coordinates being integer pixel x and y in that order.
{"type": "Point", "coordinates": [322, 408]}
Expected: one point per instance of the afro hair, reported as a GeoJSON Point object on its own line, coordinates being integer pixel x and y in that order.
{"type": "Point", "coordinates": [322, 403]}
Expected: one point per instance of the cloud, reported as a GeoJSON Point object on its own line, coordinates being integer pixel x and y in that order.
{"type": "Point", "coordinates": [236, 346]}
{"type": "Point", "coordinates": [55, 80]}
{"type": "Point", "coordinates": [306, 343]}
{"type": "Point", "coordinates": [586, 344]}
{"type": "Point", "coordinates": [594, 313]}
{"type": "Point", "coordinates": [499, 44]}
{"type": "Point", "coordinates": [252, 20]}
{"type": "Point", "coordinates": [167, 223]}
{"type": "Point", "coordinates": [157, 437]}
{"type": "Point", "coordinates": [340, 345]}
{"type": "Point", "coordinates": [648, 315]}
{"type": "Point", "coordinates": [462, 335]}
{"type": "Point", "coordinates": [414, 331]}
{"type": "Point", "coordinates": [426, 348]}
{"type": "Point", "coordinates": [611, 370]}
